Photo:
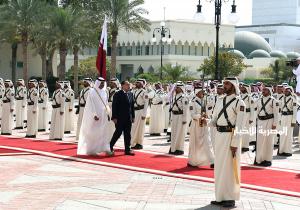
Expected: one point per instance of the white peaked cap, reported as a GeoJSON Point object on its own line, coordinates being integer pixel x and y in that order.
{"type": "Point", "coordinates": [235, 82]}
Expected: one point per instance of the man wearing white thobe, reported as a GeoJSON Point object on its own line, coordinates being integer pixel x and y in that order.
{"type": "Point", "coordinates": [267, 113]}
{"type": "Point", "coordinates": [83, 96]}
{"type": "Point", "coordinates": [178, 120]}
{"type": "Point", "coordinates": [141, 101]}
{"type": "Point", "coordinates": [32, 109]}
{"type": "Point", "coordinates": [199, 149]}
{"type": "Point", "coordinates": [157, 114]}
{"type": "Point", "coordinates": [8, 107]}
{"type": "Point", "coordinates": [21, 100]}
{"type": "Point", "coordinates": [288, 121]}
{"type": "Point", "coordinates": [94, 137]}
{"type": "Point", "coordinates": [166, 107]}
{"type": "Point", "coordinates": [43, 106]}
{"type": "Point", "coordinates": [297, 74]}
{"type": "Point", "coordinates": [58, 111]}
{"type": "Point", "coordinates": [69, 104]}
{"type": "Point", "coordinates": [228, 117]}
{"type": "Point", "coordinates": [246, 97]}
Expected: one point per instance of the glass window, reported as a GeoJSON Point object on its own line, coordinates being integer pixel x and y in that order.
{"type": "Point", "coordinates": [147, 50]}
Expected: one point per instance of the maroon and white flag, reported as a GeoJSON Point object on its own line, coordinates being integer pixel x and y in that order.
{"type": "Point", "coordinates": [101, 56]}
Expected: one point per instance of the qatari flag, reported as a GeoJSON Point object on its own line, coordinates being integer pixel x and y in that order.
{"type": "Point", "coordinates": [101, 56]}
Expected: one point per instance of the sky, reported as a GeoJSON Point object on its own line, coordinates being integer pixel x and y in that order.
{"type": "Point", "coordinates": [186, 9]}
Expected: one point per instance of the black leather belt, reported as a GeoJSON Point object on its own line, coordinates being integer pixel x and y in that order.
{"type": "Point", "coordinates": [267, 117]}
{"type": "Point", "coordinates": [167, 103]}
{"type": "Point", "coordinates": [158, 103]}
{"type": "Point", "coordinates": [177, 112]}
{"type": "Point", "coordinates": [30, 103]}
{"type": "Point", "coordinates": [287, 113]}
{"type": "Point", "coordinates": [139, 108]}
{"type": "Point", "coordinates": [82, 105]}
{"type": "Point", "coordinates": [248, 110]}
{"type": "Point", "coordinates": [223, 129]}
{"type": "Point", "coordinates": [6, 101]}
{"type": "Point", "coordinates": [56, 106]}
{"type": "Point", "coordinates": [68, 100]}
{"type": "Point", "coordinates": [41, 101]}
{"type": "Point", "coordinates": [19, 98]}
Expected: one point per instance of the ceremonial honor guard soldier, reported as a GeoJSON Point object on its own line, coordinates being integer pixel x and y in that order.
{"type": "Point", "coordinates": [267, 113]}
{"type": "Point", "coordinates": [84, 93]}
{"type": "Point", "coordinates": [166, 107]}
{"type": "Point", "coordinates": [43, 106]}
{"type": "Point", "coordinates": [288, 122]}
{"type": "Point", "coordinates": [8, 106]}
{"type": "Point", "coordinates": [250, 106]}
{"type": "Point", "coordinates": [21, 100]}
{"type": "Point", "coordinates": [69, 104]}
{"type": "Point", "coordinates": [32, 109]}
{"type": "Point", "coordinates": [58, 110]}
{"type": "Point", "coordinates": [228, 117]}
{"type": "Point", "coordinates": [199, 149]}
{"type": "Point", "coordinates": [2, 91]}
{"type": "Point", "coordinates": [157, 115]}
{"type": "Point", "coordinates": [178, 120]}
{"type": "Point", "coordinates": [111, 91]}
{"type": "Point", "coordinates": [141, 101]}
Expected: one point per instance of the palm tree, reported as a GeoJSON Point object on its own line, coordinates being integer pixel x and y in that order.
{"type": "Point", "coordinates": [175, 73]}
{"type": "Point", "coordinates": [9, 35]}
{"type": "Point", "coordinates": [22, 15]}
{"type": "Point", "coordinates": [64, 23]}
{"type": "Point", "coordinates": [122, 14]}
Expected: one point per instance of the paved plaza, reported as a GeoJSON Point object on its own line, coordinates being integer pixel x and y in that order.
{"type": "Point", "coordinates": [30, 181]}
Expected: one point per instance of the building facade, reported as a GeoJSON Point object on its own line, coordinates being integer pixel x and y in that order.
{"type": "Point", "coordinates": [34, 62]}
{"type": "Point", "coordinates": [192, 42]}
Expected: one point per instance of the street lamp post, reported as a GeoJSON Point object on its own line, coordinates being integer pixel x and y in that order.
{"type": "Point", "coordinates": [218, 15]}
{"type": "Point", "coordinates": [163, 31]}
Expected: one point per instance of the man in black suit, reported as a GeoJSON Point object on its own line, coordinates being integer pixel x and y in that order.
{"type": "Point", "coordinates": [123, 116]}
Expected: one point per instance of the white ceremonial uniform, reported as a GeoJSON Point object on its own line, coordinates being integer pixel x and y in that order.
{"type": "Point", "coordinates": [199, 149]}
{"type": "Point", "coordinates": [57, 120]}
{"type": "Point", "coordinates": [2, 92]}
{"type": "Point", "coordinates": [111, 125]}
{"type": "Point", "coordinates": [21, 102]}
{"type": "Point", "coordinates": [43, 109]}
{"type": "Point", "coordinates": [69, 115]}
{"type": "Point", "coordinates": [249, 116]}
{"type": "Point", "coordinates": [226, 187]}
{"type": "Point", "coordinates": [141, 101]}
{"type": "Point", "coordinates": [32, 112]}
{"type": "Point", "coordinates": [166, 112]}
{"type": "Point", "coordinates": [84, 93]}
{"type": "Point", "coordinates": [157, 114]}
{"type": "Point", "coordinates": [7, 116]}
{"type": "Point", "coordinates": [267, 113]}
{"type": "Point", "coordinates": [211, 101]}
{"type": "Point", "coordinates": [190, 97]}
{"type": "Point", "coordinates": [178, 117]}
{"type": "Point", "coordinates": [288, 117]}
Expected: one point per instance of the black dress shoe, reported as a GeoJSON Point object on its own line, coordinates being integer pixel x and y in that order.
{"type": "Point", "coordinates": [28, 136]}
{"type": "Point", "coordinates": [280, 154]}
{"type": "Point", "coordinates": [165, 130]}
{"type": "Point", "coordinates": [171, 153]}
{"type": "Point", "coordinates": [41, 130]}
{"type": "Point", "coordinates": [288, 154]}
{"type": "Point", "coordinates": [58, 139]}
{"type": "Point", "coordinates": [245, 149]}
{"type": "Point", "coordinates": [137, 147]}
{"type": "Point", "coordinates": [67, 132]}
{"type": "Point", "coordinates": [228, 204]}
{"type": "Point", "coordinates": [212, 166]}
{"type": "Point", "coordinates": [6, 134]}
{"type": "Point", "coordinates": [216, 203]}
{"type": "Point", "coordinates": [189, 165]}
{"type": "Point", "coordinates": [130, 153]}
{"type": "Point", "coordinates": [18, 128]}
{"type": "Point", "coordinates": [178, 152]}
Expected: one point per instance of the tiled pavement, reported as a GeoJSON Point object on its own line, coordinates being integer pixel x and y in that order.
{"type": "Point", "coordinates": [35, 182]}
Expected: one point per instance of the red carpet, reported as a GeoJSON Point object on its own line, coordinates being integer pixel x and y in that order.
{"type": "Point", "coordinates": [252, 177]}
